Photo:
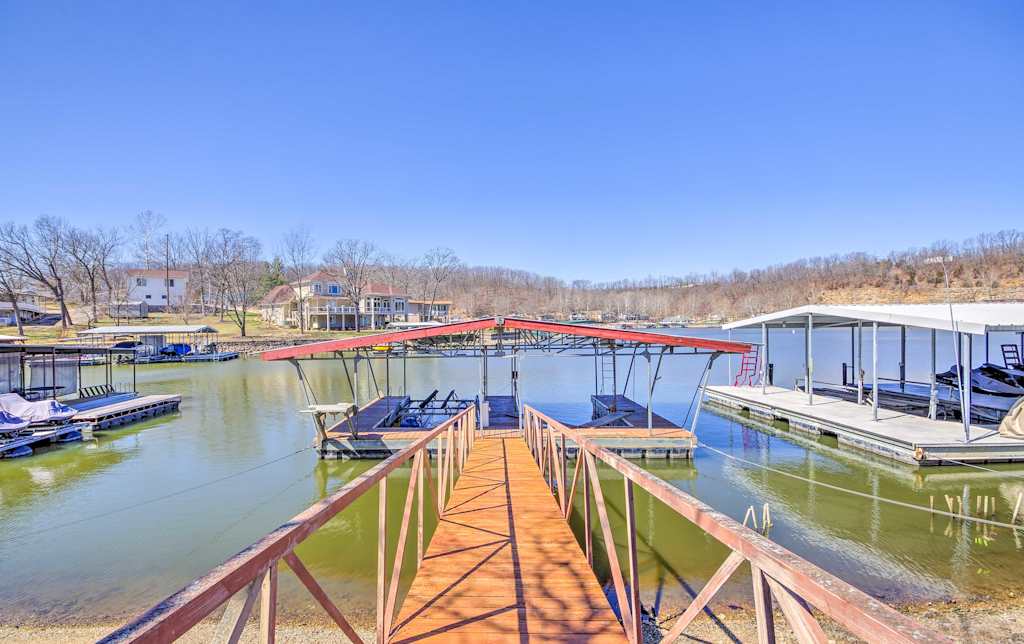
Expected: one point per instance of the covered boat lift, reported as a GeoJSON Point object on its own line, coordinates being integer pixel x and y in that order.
{"type": "Point", "coordinates": [199, 337]}
{"type": "Point", "coordinates": [614, 415]}
{"type": "Point", "coordinates": [964, 321]}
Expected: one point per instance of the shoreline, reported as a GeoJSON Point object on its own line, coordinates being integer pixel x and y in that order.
{"type": "Point", "coordinates": [978, 620]}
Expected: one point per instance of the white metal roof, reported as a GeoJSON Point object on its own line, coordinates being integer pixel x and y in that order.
{"type": "Point", "coordinates": [143, 329]}
{"type": "Point", "coordinates": [976, 318]}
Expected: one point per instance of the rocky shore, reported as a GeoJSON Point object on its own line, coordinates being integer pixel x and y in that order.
{"type": "Point", "coordinates": [988, 619]}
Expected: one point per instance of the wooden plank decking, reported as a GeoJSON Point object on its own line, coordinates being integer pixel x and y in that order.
{"type": "Point", "coordinates": [636, 414]}
{"type": "Point", "coordinates": [503, 565]}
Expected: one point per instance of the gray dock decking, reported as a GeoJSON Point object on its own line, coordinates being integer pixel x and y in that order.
{"type": "Point", "coordinates": [904, 437]}
{"type": "Point", "coordinates": [128, 411]}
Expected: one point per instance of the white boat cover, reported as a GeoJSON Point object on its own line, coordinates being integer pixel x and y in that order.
{"type": "Point", "coordinates": [43, 411]}
{"type": "Point", "coordinates": [1013, 423]}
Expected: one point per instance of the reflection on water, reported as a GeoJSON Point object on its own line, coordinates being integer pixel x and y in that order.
{"type": "Point", "coordinates": [69, 551]}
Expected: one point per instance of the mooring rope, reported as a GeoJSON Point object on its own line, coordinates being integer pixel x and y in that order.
{"type": "Point", "coordinates": [985, 469]}
{"type": "Point", "coordinates": [875, 497]}
{"type": "Point", "coordinates": [156, 499]}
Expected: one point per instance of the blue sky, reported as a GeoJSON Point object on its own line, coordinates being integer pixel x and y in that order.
{"type": "Point", "coordinates": [584, 140]}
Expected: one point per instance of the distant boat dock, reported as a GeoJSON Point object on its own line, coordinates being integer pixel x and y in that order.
{"type": "Point", "coordinates": [153, 344]}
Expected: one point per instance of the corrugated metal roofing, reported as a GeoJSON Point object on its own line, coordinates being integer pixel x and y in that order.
{"type": "Point", "coordinates": [456, 328]}
{"type": "Point", "coordinates": [975, 318]}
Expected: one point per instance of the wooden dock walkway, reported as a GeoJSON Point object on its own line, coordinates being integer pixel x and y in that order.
{"type": "Point", "coordinates": [503, 564]}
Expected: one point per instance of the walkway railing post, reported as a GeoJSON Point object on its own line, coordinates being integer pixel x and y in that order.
{"type": "Point", "coordinates": [424, 464]}
{"type": "Point", "coordinates": [763, 607]}
{"type": "Point", "coordinates": [268, 606]}
{"type": "Point", "coordinates": [636, 632]}
{"type": "Point", "coordinates": [382, 544]}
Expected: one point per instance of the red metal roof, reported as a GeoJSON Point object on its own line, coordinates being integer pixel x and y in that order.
{"type": "Point", "coordinates": [645, 337]}
{"type": "Point", "coordinates": [455, 328]}
{"type": "Point", "coordinates": [376, 339]}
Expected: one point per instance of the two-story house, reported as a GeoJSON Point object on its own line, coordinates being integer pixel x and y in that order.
{"type": "Point", "coordinates": [327, 305]}
{"type": "Point", "coordinates": [157, 287]}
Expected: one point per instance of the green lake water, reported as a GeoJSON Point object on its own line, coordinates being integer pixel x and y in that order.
{"type": "Point", "coordinates": [100, 530]}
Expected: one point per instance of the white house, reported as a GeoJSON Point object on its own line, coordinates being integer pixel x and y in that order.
{"type": "Point", "coordinates": [327, 304]}
{"type": "Point", "coordinates": [154, 285]}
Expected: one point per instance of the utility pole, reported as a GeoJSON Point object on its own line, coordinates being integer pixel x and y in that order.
{"type": "Point", "coordinates": [167, 271]}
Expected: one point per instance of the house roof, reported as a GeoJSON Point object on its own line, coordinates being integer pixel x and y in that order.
{"type": "Point", "coordinates": [377, 288]}
{"type": "Point", "coordinates": [975, 318]}
{"type": "Point", "coordinates": [319, 276]}
{"type": "Point", "coordinates": [148, 329]}
{"type": "Point", "coordinates": [372, 288]}
{"type": "Point", "coordinates": [457, 328]}
{"type": "Point", "coordinates": [278, 295]}
{"type": "Point", "coordinates": [156, 272]}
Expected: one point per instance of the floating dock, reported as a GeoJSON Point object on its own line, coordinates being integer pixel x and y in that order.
{"type": "Point", "coordinates": [503, 564]}
{"type": "Point", "coordinates": [375, 440]}
{"type": "Point", "coordinates": [63, 433]}
{"type": "Point", "coordinates": [221, 356]}
{"type": "Point", "coordinates": [904, 437]}
{"type": "Point", "coordinates": [123, 412]}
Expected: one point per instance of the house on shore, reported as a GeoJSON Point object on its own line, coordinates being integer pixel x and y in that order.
{"type": "Point", "coordinates": [427, 311]}
{"type": "Point", "coordinates": [327, 305]}
{"type": "Point", "coordinates": [157, 287]}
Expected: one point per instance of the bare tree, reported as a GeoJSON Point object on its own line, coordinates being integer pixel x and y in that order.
{"type": "Point", "coordinates": [352, 262]}
{"type": "Point", "coordinates": [440, 265]}
{"type": "Point", "coordinates": [237, 269]}
{"type": "Point", "coordinates": [149, 239]}
{"type": "Point", "coordinates": [83, 247]}
{"type": "Point", "coordinates": [196, 245]}
{"type": "Point", "coordinates": [12, 285]}
{"type": "Point", "coordinates": [39, 254]}
{"type": "Point", "coordinates": [398, 272]}
{"type": "Point", "coordinates": [299, 255]}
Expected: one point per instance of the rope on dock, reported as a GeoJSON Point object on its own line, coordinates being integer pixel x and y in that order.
{"type": "Point", "coordinates": [875, 497]}
{"type": "Point", "coordinates": [156, 499]}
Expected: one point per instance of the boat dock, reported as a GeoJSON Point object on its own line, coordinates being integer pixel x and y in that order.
{"type": "Point", "coordinates": [64, 433]}
{"type": "Point", "coordinates": [219, 356]}
{"type": "Point", "coordinates": [377, 439]}
{"type": "Point", "coordinates": [123, 412]}
{"type": "Point", "coordinates": [503, 564]}
{"type": "Point", "coordinates": [905, 437]}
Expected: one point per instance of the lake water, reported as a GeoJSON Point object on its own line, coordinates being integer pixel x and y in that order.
{"type": "Point", "coordinates": [95, 532]}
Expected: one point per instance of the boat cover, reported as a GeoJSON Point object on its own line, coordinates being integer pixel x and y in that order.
{"type": "Point", "coordinates": [43, 411]}
{"type": "Point", "coordinates": [10, 423]}
{"type": "Point", "coordinates": [1013, 423]}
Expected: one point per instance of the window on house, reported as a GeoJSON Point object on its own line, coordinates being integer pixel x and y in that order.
{"type": "Point", "coordinates": [316, 287]}
{"type": "Point", "coordinates": [140, 281]}
{"type": "Point", "coordinates": [334, 289]}
{"type": "Point", "coordinates": [149, 297]}
{"type": "Point", "coordinates": [169, 282]}
{"type": "Point", "coordinates": [163, 297]}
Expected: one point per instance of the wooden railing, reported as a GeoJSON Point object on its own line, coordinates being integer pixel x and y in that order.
{"type": "Point", "coordinates": [251, 575]}
{"type": "Point", "coordinates": [795, 584]}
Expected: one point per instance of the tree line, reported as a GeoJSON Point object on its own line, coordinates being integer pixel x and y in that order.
{"type": "Point", "coordinates": [230, 271]}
